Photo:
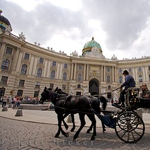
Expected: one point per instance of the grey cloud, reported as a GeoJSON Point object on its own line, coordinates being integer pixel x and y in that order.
{"type": "Point", "coordinates": [122, 20]}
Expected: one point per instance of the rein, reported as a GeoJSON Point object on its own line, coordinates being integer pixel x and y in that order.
{"type": "Point", "coordinates": [106, 93]}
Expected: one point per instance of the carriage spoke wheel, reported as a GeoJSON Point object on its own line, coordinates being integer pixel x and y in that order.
{"type": "Point", "coordinates": [129, 127]}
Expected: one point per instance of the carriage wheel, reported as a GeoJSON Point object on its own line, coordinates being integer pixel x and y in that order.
{"type": "Point", "coordinates": [129, 127]}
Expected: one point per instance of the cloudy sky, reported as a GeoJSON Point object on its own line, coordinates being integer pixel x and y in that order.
{"type": "Point", "coordinates": [122, 27]}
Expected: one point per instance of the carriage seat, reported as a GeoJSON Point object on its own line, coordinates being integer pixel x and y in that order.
{"type": "Point", "coordinates": [144, 99]}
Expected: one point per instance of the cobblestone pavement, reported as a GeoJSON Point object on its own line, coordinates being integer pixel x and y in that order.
{"type": "Point", "coordinates": [19, 135]}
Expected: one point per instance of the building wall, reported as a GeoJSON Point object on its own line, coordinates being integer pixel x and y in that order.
{"type": "Point", "coordinates": [79, 70]}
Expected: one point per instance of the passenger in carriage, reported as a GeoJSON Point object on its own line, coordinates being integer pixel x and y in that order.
{"type": "Point", "coordinates": [129, 82]}
{"type": "Point", "coordinates": [145, 92]}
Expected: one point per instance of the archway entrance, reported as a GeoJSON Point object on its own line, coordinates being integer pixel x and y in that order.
{"type": "Point", "coordinates": [94, 86]}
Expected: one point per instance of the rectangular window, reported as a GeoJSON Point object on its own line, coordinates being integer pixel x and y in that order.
{"type": "Point", "coordinates": [54, 63]}
{"type": "Point", "coordinates": [26, 56]}
{"type": "Point", "coordinates": [41, 60]}
{"type": "Point", "coordinates": [37, 85]}
{"type": "Point", "coordinates": [120, 70]}
{"type": "Point", "coordinates": [19, 92]}
{"type": "Point", "coordinates": [65, 66]}
{"type": "Point", "coordinates": [9, 50]}
{"type": "Point", "coordinates": [80, 67]}
{"type": "Point", "coordinates": [51, 85]}
{"type": "Point", "coordinates": [36, 93]}
{"type": "Point", "coordinates": [64, 87]}
{"type": "Point", "coordinates": [21, 83]}
{"type": "Point", "coordinates": [4, 80]}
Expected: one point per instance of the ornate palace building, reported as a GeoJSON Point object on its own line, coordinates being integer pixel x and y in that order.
{"type": "Point", "coordinates": [25, 68]}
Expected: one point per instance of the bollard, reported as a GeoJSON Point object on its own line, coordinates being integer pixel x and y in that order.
{"type": "Point", "coordinates": [5, 108]}
{"type": "Point", "coordinates": [19, 112]}
{"type": "Point", "coordinates": [69, 120]}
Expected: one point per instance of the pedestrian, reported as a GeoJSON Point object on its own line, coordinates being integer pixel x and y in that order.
{"type": "Point", "coordinates": [4, 101]}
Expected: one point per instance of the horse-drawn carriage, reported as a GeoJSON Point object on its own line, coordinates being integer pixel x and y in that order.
{"type": "Point", "coordinates": [128, 125]}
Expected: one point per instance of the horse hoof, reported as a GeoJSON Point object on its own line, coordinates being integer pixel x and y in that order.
{"type": "Point", "coordinates": [56, 136]}
{"type": "Point", "coordinates": [72, 130]}
{"type": "Point", "coordinates": [104, 130]}
{"type": "Point", "coordinates": [74, 138]}
{"type": "Point", "coordinates": [88, 131]}
{"type": "Point", "coordinates": [92, 138]}
{"type": "Point", "coordinates": [67, 134]}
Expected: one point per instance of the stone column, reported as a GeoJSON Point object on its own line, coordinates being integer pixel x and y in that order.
{"type": "Point", "coordinates": [101, 73]}
{"type": "Point", "coordinates": [34, 71]}
{"type": "Point", "coordinates": [48, 69]}
{"type": "Point", "coordinates": [3, 47]}
{"type": "Point", "coordinates": [113, 74]}
{"type": "Point", "coordinates": [87, 72]}
{"type": "Point", "coordinates": [84, 77]}
{"type": "Point", "coordinates": [19, 64]}
{"type": "Point", "coordinates": [75, 69]}
{"type": "Point", "coordinates": [144, 73]}
{"type": "Point", "coordinates": [104, 73]}
{"type": "Point", "coordinates": [15, 59]}
{"type": "Point", "coordinates": [72, 71]}
{"type": "Point", "coordinates": [58, 70]}
{"type": "Point", "coordinates": [31, 64]}
{"type": "Point", "coordinates": [116, 74]}
{"type": "Point", "coordinates": [45, 68]}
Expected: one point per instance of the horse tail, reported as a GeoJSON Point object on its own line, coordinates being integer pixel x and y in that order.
{"type": "Point", "coordinates": [104, 101]}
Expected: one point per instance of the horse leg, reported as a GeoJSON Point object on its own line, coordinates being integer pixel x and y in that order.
{"type": "Point", "coordinates": [82, 120]}
{"type": "Point", "coordinates": [90, 128]}
{"type": "Point", "coordinates": [66, 126]}
{"type": "Point", "coordinates": [60, 118]}
{"type": "Point", "coordinates": [93, 120]}
{"type": "Point", "coordinates": [73, 122]}
{"type": "Point", "coordinates": [103, 126]}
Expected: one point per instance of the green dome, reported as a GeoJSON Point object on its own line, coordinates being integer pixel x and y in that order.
{"type": "Point", "coordinates": [89, 45]}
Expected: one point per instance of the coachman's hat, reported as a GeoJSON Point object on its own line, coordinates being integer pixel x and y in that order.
{"type": "Point", "coordinates": [125, 72]}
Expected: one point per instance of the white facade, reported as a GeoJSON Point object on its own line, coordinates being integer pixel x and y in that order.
{"type": "Point", "coordinates": [27, 68]}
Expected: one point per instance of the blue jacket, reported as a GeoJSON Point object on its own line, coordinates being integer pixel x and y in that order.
{"type": "Point", "coordinates": [129, 82]}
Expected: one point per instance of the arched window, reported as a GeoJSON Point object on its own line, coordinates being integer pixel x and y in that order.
{"type": "Point", "coordinates": [5, 64]}
{"type": "Point", "coordinates": [120, 79]}
{"type": "Point", "coordinates": [108, 78]}
{"type": "Point", "coordinates": [64, 76]}
{"type": "Point", "coordinates": [140, 78]}
{"type": "Point", "coordinates": [52, 74]}
{"type": "Point", "coordinates": [39, 72]}
{"type": "Point", "coordinates": [24, 69]}
{"type": "Point", "coordinates": [79, 77]}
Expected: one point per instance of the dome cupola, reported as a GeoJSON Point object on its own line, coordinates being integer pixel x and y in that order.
{"type": "Point", "coordinates": [4, 24]}
{"type": "Point", "coordinates": [92, 49]}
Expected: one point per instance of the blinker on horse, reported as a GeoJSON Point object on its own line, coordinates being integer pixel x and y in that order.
{"type": "Point", "coordinates": [83, 105]}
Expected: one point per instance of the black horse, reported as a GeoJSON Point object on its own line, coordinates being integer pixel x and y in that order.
{"type": "Point", "coordinates": [84, 105]}
{"type": "Point", "coordinates": [65, 96]}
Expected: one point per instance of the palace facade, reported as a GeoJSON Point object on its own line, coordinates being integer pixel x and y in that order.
{"type": "Point", "coordinates": [25, 68]}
